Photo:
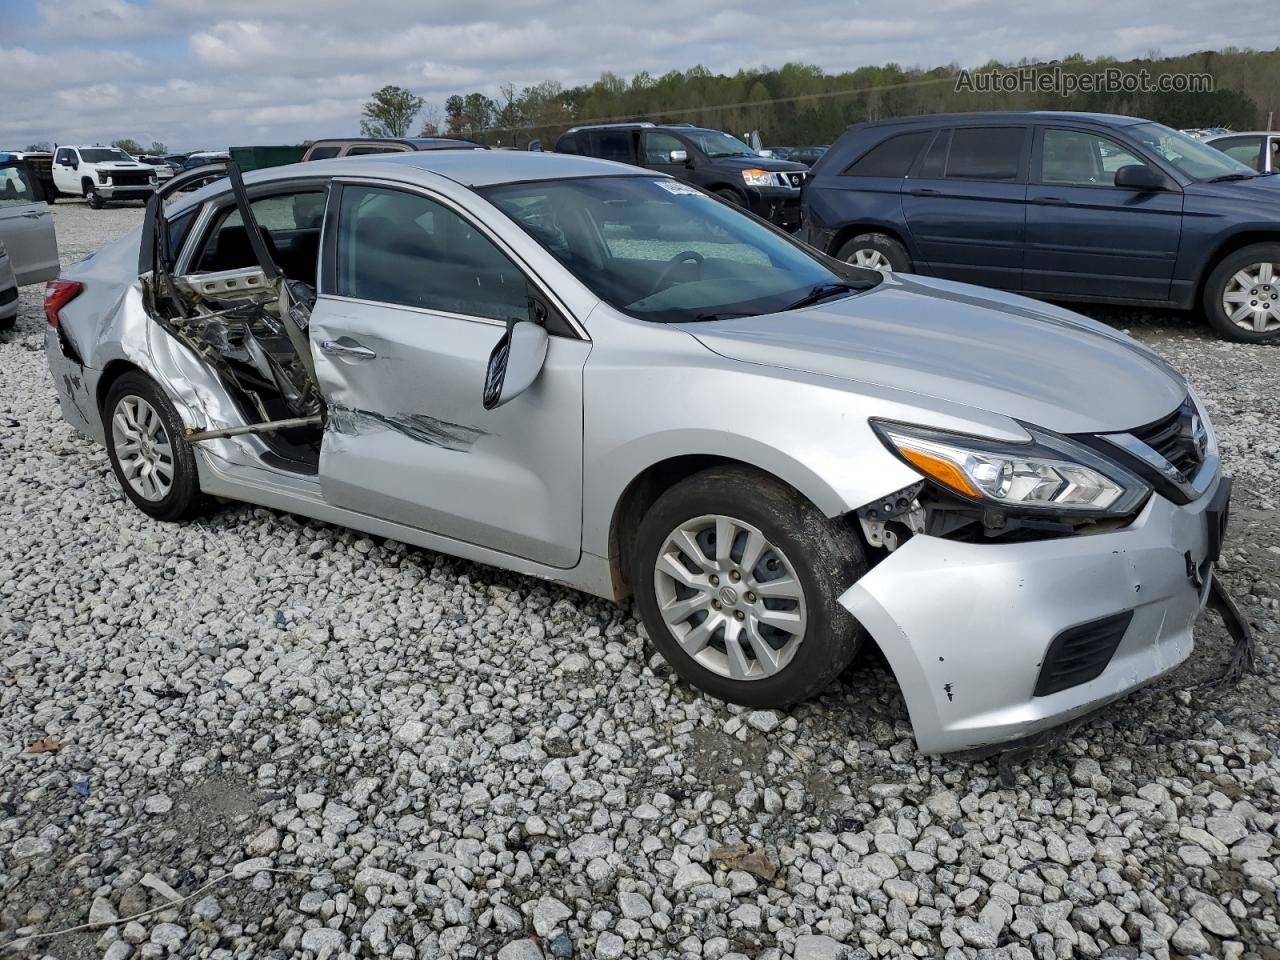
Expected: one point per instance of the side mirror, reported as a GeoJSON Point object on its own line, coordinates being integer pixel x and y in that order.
{"type": "Point", "coordinates": [1138, 176]}
{"type": "Point", "coordinates": [515, 362]}
{"type": "Point", "coordinates": [75, 164]}
{"type": "Point", "coordinates": [679, 156]}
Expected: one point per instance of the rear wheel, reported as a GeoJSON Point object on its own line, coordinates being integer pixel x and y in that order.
{"type": "Point", "coordinates": [150, 456]}
{"type": "Point", "coordinates": [876, 251]}
{"type": "Point", "coordinates": [737, 578]}
{"type": "Point", "coordinates": [1242, 295]}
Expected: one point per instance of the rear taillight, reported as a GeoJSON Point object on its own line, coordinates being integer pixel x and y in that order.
{"type": "Point", "coordinates": [57, 294]}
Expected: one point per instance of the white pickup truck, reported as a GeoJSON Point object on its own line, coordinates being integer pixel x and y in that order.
{"type": "Point", "coordinates": [101, 174]}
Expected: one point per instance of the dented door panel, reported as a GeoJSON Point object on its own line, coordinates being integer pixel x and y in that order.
{"type": "Point", "coordinates": [408, 438]}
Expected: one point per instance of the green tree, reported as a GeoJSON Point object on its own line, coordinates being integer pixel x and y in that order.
{"type": "Point", "coordinates": [129, 146]}
{"type": "Point", "coordinates": [390, 113]}
{"type": "Point", "coordinates": [157, 147]}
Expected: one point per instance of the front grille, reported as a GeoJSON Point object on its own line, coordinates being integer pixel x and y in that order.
{"type": "Point", "coordinates": [1179, 438]}
{"type": "Point", "coordinates": [130, 178]}
{"type": "Point", "coordinates": [1080, 654]}
{"type": "Point", "coordinates": [795, 179]}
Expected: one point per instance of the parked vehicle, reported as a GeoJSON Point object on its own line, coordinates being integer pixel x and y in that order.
{"type": "Point", "coordinates": [41, 164]}
{"type": "Point", "coordinates": [101, 175]}
{"type": "Point", "coordinates": [360, 146]}
{"type": "Point", "coordinates": [1204, 133]}
{"type": "Point", "coordinates": [28, 244]}
{"type": "Point", "coordinates": [806, 155]}
{"type": "Point", "coordinates": [164, 171]}
{"type": "Point", "coordinates": [1061, 206]}
{"type": "Point", "coordinates": [262, 156]}
{"type": "Point", "coordinates": [607, 378]}
{"type": "Point", "coordinates": [203, 158]}
{"type": "Point", "coordinates": [711, 159]}
{"type": "Point", "coordinates": [1259, 149]}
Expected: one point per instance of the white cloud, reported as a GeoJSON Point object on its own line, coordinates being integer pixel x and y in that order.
{"type": "Point", "coordinates": [213, 72]}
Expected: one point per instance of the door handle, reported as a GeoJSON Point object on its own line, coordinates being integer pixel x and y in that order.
{"type": "Point", "coordinates": [346, 347]}
{"type": "Point", "coordinates": [923, 192]}
{"type": "Point", "coordinates": [1051, 202]}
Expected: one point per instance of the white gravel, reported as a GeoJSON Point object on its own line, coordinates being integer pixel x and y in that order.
{"type": "Point", "coordinates": [327, 745]}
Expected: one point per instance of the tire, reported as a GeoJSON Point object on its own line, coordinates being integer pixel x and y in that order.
{"type": "Point", "coordinates": [1257, 304]}
{"type": "Point", "coordinates": [8, 323]}
{"type": "Point", "coordinates": [182, 499]}
{"type": "Point", "coordinates": [730, 195]}
{"type": "Point", "coordinates": [876, 251]}
{"type": "Point", "coordinates": [824, 556]}
{"type": "Point", "coordinates": [93, 198]}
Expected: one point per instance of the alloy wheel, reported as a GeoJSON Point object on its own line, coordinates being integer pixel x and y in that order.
{"type": "Point", "coordinates": [1252, 298]}
{"type": "Point", "coordinates": [731, 599]}
{"type": "Point", "coordinates": [142, 448]}
{"type": "Point", "coordinates": [872, 259]}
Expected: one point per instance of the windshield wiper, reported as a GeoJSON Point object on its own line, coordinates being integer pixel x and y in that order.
{"type": "Point", "coordinates": [723, 315]}
{"type": "Point", "coordinates": [821, 292]}
{"type": "Point", "coordinates": [1232, 176]}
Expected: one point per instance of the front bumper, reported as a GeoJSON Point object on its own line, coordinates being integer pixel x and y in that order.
{"type": "Point", "coordinates": [780, 206]}
{"type": "Point", "coordinates": [968, 657]}
{"type": "Point", "coordinates": [110, 191]}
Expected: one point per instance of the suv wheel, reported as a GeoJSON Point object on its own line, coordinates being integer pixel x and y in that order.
{"type": "Point", "coordinates": [93, 198]}
{"type": "Point", "coordinates": [1242, 295]}
{"type": "Point", "coordinates": [737, 578]}
{"type": "Point", "coordinates": [150, 456]}
{"type": "Point", "coordinates": [731, 195]}
{"type": "Point", "coordinates": [876, 251]}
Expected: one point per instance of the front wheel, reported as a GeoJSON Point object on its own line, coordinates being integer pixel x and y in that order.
{"type": "Point", "coordinates": [1242, 295]}
{"type": "Point", "coordinates": [93, 198]}
{"type": "Point", "coordinates": [149, 454]}
{"type": "Point", "coordinates": [737, 579]}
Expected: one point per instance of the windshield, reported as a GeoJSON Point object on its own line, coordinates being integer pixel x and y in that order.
{"type": "Point", "coordinates": [716, 144]}
{"type": "Point", "coordinates": [1191, 157]}
{"type": "Point", "coordinates": [664, 251]}
{"type": "Point", "coordinates": [102, 155]}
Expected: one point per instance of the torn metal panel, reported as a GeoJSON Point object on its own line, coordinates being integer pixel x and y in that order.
{"type": "Point", "coordinates": [416, 426]}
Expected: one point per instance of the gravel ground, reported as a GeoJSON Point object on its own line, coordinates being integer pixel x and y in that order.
{"type": "Point", "coordinates": [283, 738]}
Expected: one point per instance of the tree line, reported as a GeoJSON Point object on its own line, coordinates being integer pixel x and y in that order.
{"type": "Point", "coordinates": [800, 104]}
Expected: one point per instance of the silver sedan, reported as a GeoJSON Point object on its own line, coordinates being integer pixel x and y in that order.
{"type": "Point", "coordinates": [606, 378]}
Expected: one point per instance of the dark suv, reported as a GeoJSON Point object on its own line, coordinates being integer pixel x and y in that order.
{"type": "Point", "coordinates": [1061, 206]}
{"type": "Point", "coordinates": [710, 159]}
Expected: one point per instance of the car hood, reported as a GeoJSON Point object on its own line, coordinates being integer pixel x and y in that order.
{"type": "Point", "coordinates": [967, 345]}
{"type": "Point", "coordinates": [1264, 189]}
{"type": "Point", "coordinates": [772, 164]}
{"type": "Point", "coordinates": [121, 165]}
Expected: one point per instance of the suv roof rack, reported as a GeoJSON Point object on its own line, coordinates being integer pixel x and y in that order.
{"type": "Point", "coordinates": [598, 126]}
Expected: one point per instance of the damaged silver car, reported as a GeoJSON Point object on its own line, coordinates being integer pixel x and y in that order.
{"type": "Point", "coordinates": [607, 378]}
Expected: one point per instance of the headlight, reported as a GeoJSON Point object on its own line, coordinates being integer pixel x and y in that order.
{"type": "Point", "coordinates": [102, 176]}
{"type": "Point", "coordinates": [757, 178]}
{"type": "Point", "coordinates": [1048, 474]}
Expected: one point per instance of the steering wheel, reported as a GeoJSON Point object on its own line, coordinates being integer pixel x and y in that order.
{"type": "Point", "coordinates": [684, 256]}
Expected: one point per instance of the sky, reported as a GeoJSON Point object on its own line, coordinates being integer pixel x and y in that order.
{"type": "Point", "coordinates": [217, 73]}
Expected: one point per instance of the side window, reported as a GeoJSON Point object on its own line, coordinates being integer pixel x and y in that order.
{"type": "Point", "coordinates": [374, 148]}
{"type": "Point", "coordinates": [890, 158]}
{"type": "Point", "coordinates": [934, 162]}
{"type": "Point", "coordinates": [1076, 158]}
{"type": "Point", "coordinates": [985, 153]}
{"type": "Point", "coordinates": [15, 187]}
{"type": "Point", "coordinates": [613, 145]}
{"type": "Point", "coordinates": [324, 153]}
{"type": "Point", "coordinates": [402, 248]}
{"type": "Point", "coordinates": [568, 144]}
{"type": "Point", "coordinates": [290, 224]}
{"type": "Point", "coordinates": [658, 147]}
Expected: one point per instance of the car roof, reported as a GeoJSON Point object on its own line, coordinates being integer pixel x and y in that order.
{"type": "Point", "coordinates": [418, 143]}
{"type": "Point", "coordinates": [471, 168]}
{"type": "Point", "coordinates": [1005, 116]}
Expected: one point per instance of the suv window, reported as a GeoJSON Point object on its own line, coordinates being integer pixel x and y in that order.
{"type": "Point", "coordinates": [934, 162]}
{"type": "Point", "coordinates": [15, 187]}
{"type": "Point", "coordinates": [985, 153]}
{"type": "Point", "coordinates": [1077, 158]}
{"type": "Point", "coordinates": [358, 151]}
{"type": "Point", "coordinates": [613, 145]}
{"type": "Point", "coordinates": [290, 225]}
{"type": "Point", "coordinates": [324, 153]}
{"type": "Point", "coordinates": [890, 158]}
{"type": "Point", "coordinates": [569, 143]}
{"type": "Point", "coordinates": [402, 248]}
{"type": "Point", "coordinates": [658, 147]}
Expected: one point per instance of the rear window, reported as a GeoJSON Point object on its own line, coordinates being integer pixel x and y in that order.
{"type": "Point", "coordinates": [892, 158]}
{"type": "Point", "coordinates": [323, 153]}
{"type": "Point", "coordinates": [985, 153]}
{"type": "Point", "coordinates": [568, 144]}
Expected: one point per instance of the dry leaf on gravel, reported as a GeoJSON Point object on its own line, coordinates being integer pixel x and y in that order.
{"type": "Point", "coordinates": [740, 856]}
{"type": "Point", "coordinates": [47, 745]}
